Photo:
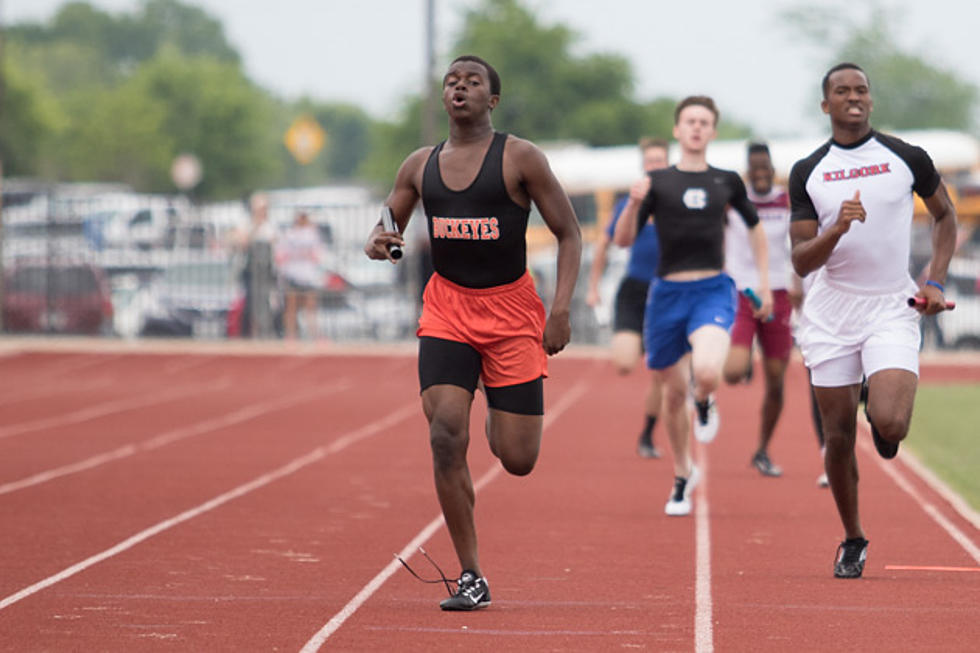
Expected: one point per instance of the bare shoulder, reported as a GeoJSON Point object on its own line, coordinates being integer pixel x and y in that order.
{"type": "Point", "coordinates": [418, 158]}
{"type": "Point", "coordinates": [412, 167]}
{"type": "Point", "coordinates": [521, 148]}
{"type": "Point", "coordinates": [526, 158]}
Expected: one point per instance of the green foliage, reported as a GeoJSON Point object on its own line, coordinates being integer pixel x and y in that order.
{"type": "Point", "coordinates": [28, 116]}
{"type": "Point", "coordinates": [210, 109]}
{"type": "Point", "coordinates": [547, 92]}
{"type": "Point", "coordinates": [126, 94]}
{"type": "Point", "coordinates": [392, 142]}
{"type": "Point", "coordinates": [909, 91]}
{"type": "Point", "coordinates": [348, 140]}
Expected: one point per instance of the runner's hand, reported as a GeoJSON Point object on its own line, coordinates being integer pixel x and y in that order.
{"type": "Point", "coordinates": [850, 210]}
{"type": "Point", "coordinates": [557, 333]}
{"type": "Point", "coordinates": [640, 188]}
{"type": "Point", "coordinates": [764, 312]}
{"type": "Point", "coordinates": [377, 244]}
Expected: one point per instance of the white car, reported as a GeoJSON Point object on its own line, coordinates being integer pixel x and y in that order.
{"type": "Point", "coordinates": [960, 327]}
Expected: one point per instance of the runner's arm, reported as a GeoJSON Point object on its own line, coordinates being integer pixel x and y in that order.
{"type": "Point", "coordinates": [544, 190]}
{"type": "Point", "coordinates": [402, 199]}
{"type": "Point", "coordinates": [943, 246]}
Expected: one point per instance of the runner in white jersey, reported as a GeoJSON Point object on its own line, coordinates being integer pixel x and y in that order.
{"type": "Point", "coordinates": [773, 331]}
{"type": "Point", "coordinates": [852, 209]}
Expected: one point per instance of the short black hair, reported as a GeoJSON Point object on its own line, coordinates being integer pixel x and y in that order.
{"type": "Point", "coordinates": [757, 148]}
{"type": "Point", "coordinates": [846, 65]}
{"type": "Point", "coordinates": [491, 73]}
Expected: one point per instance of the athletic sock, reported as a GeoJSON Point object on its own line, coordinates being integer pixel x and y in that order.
{"type": "Point", "coordinates": [647, 434]}
{"type": "Point", "coordinates": [703, 408]}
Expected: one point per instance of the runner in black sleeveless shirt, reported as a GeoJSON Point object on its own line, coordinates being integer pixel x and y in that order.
{"type": "Point", "coordinates": [692, 304]}
{"type": "Point", "coordinates": [482, 319]}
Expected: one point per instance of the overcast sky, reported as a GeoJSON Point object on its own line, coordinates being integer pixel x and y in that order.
{"type": "Point", "coordinates": [370, 52]}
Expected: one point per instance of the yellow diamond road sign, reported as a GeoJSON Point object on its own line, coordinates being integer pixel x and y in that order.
{"type": "Point", "coordinates": [305, 138]}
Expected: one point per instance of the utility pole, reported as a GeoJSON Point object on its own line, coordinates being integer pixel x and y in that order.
{"type": "Point", "coordinates": [2, 80]}
{"type": "Point", "coordinates": [429, 105]}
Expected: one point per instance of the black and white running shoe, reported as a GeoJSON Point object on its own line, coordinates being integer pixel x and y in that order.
{"type": "Point", "coordinates": [472, 593]}
{"type": "Point", "coordinates": [679, 502]}
{"type": "Point", "coordinates": [645, 448]}
{"type": "Point", "coordinates": [851, 555]}
{"type": "Point", "coordinates": [765, 466]}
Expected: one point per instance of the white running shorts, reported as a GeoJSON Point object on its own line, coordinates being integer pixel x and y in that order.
{"type": "Point", "coordinates": [845, 336]}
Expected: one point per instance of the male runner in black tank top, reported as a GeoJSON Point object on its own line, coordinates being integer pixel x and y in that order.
{"type": "Point", "coordinates": [481, 316]}
{"type": "Point", "coordinates": [691, 305]}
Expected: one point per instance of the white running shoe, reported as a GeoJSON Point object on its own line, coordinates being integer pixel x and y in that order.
{"type": "Point", "coordinates": [706, 422]}
{"type": "Point", "coordinates": [679, 503]}
{"type": "Point", "coordinates": [822, 480]}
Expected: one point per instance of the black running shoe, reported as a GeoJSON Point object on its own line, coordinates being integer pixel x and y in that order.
{"type": "Point", "coordinates": [886, 449]}
{"type": "Point", "coordinates": [765, 466]}
{"type": "Point", "coordinates": [646, 449]}
{"type": "Point", "coordinates": [472, 593]}
{"type": "Point", "coordinates": [851, 555]}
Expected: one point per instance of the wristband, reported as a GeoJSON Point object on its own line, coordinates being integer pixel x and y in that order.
{"type": "Point", "coordinates": [936, 284]}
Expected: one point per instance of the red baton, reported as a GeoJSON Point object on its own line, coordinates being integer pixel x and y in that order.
{"type": "Point", "coordinates": [921, 301]}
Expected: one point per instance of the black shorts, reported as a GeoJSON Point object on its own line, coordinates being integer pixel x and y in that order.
{"type": "Point", "coordinates": [447, 362]}
{"type": "Point", "coordinates": [631, 301]}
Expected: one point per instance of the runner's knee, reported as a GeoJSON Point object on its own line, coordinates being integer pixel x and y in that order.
{"type": "Point", "coordinates": [448, 442]}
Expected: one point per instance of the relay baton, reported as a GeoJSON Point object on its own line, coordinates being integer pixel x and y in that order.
{"type": "Point", "coordinates": [921, 301]}
{"type": "Point", "coordinates": [388, 224]}
{"type": "Point", "coordinates": [755, 301]}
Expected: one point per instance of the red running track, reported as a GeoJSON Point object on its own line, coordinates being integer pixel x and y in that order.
{"type": "Point", "coordinates": [234, 502]}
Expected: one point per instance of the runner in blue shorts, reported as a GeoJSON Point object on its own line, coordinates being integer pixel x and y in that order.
{"type": "Point", "coordinates": [631, 296]}
{"type": "Point", "coordinates": [692, 304]}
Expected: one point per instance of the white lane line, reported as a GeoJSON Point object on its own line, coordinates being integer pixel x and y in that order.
{"type": "Point", "coordinates": [703, 629]}
{"type": "Point", "coordinates": [173, 435]}
{"type": "Point", "coordinates": [59, 367]}
{"type": "Point", "coordinates": [927, 506]}
{"type": "Point", "coordinates": [108, 408]}
{"type": "Point", "coordinates": [290, 468]}
{"type": "Point", "coordinates": [51, 390]}
{"type": "Point", "coordinates": [957, 502]}
{"type": "Point", "coordinates": [321, 636]}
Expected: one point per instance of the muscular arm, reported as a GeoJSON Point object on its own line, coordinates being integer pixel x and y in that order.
{"type": "Point", "coordinates": [402, 199]}
{"type": "Point", "coordinates": [598, 267]}
{"type": "Point", "coordinates": [556, 209]}
{"type": "Point", "coordinates": [943, 246]}
{"type": "Point", "coordinates": [760, 250]}
{"type": "Point", "coordinates": [811, 250]}
{"type": "Point", "coordinates": [629, 220]}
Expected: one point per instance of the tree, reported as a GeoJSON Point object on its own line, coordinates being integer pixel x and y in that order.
{"type": "Point", "coordinates": [28, 118]}
{"type": "Point", "coordinates": [909, 91]}
{"type": "Point", "coordinates": [548, 92]}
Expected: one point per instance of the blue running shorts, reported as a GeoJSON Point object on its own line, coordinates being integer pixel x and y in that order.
{"type": "Point", "coordinates": [675, 309]}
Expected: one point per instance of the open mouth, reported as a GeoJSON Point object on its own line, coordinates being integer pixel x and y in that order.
{"type": "Point", "coordinates": [458, 101]}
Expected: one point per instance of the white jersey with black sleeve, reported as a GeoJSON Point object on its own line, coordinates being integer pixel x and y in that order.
{"type": "Point", "coordinates": [873, 256]}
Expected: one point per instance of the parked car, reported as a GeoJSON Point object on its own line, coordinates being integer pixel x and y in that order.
{"type": "Point", "coordinates": [190, 298]}
{"type": "Point", "coordinates": [960, 327]}
{"type": "Point", "coordinates": [57, 298]}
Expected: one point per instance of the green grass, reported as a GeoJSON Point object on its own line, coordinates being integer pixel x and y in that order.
{"type": "Point", "coordinates": [945, 436]}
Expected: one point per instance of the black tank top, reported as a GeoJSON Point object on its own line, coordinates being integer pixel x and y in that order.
{"type": "Point", "coordinates": [477, 234]}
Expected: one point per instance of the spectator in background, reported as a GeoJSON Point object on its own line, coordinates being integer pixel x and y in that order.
{"type": "Point", "coordinates": [299, 256]}
{"type": "Point", "coordinates": [258, 274]}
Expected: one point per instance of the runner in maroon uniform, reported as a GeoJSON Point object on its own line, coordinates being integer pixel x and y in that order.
{"type": "Point", "coordinates": [481, 316]}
